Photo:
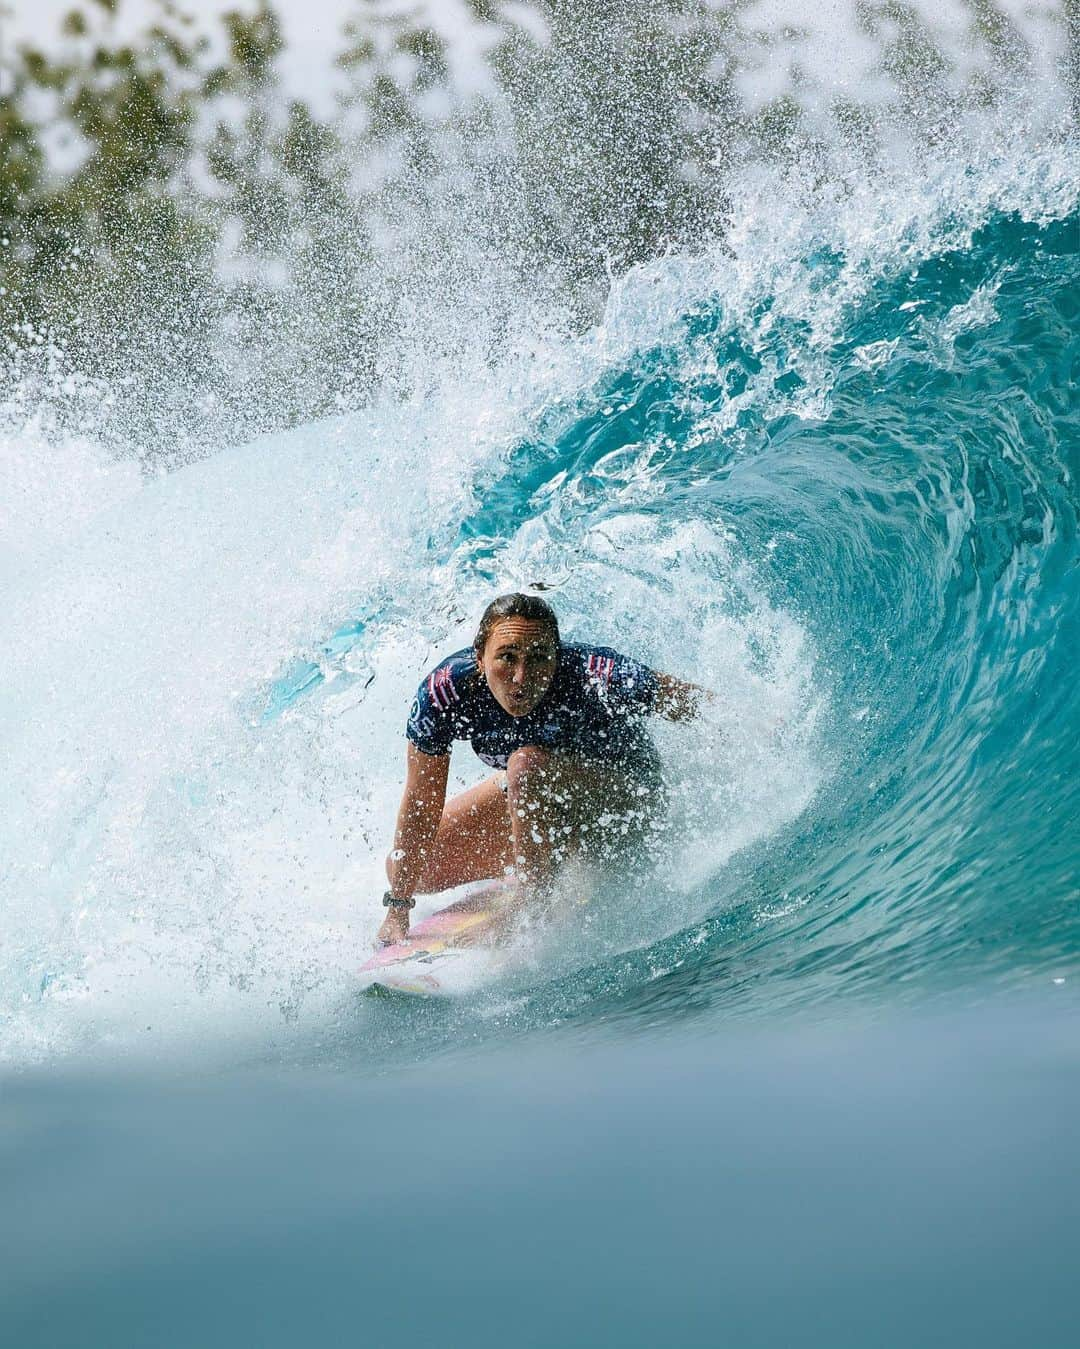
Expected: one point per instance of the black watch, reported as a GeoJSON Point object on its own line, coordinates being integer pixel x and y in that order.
{"type": "Point", "coordinates": [391, 901]}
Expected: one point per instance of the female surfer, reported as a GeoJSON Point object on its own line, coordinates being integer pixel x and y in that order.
{"type": "Point", "coordinates": [563, 725]}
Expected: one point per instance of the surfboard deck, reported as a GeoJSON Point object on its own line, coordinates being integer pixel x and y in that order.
{"type": "Point", "coordinates": [447, 953]}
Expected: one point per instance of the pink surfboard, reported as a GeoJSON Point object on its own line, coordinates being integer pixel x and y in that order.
{"type": "Point", "coordinates": [448, 952]}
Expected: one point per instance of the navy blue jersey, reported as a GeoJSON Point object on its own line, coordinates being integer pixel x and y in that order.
{"type": "Point", "coordinates": [594, 707]}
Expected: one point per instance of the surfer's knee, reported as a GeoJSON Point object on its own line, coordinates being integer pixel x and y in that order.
{"type": "Point", "coordinates": [527, 759]}
{"type": "Point", "coordinates": [526, 765]}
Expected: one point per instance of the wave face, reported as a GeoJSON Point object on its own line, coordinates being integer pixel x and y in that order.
{"type": "Point", "coordinates": [828, 469]}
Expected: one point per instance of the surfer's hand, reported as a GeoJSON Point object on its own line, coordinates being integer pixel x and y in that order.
{"type": "Point", "coordinates": [395, 927]}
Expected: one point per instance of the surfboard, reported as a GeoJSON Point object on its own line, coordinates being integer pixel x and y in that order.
{"type": "Point", "coordinates": [450, 952]}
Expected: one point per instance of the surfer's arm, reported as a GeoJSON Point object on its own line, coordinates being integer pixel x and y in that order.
{"type": "Point", "coordinates": [679, 701]}
{"type": "Point", "coordinates": [418, 819]}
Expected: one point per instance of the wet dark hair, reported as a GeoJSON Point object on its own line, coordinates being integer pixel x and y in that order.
{"type": "Point", "coordinates": [514, 606]}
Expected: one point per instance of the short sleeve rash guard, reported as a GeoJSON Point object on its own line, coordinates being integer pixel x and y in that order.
{"type": "Point", "coordinates": [595, 706]}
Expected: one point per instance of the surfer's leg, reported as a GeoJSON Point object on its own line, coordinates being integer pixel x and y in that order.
{"type": "Point", "coordinates": [473, 840]}
{"type": "Point", "coordinates": [537, 814]}
{"type": "Point", "coordinates": [562, 805]}
{"type": "Point", "coordinates": [549, 794]}
{"type": "Point", "coordinates": [621, 816]}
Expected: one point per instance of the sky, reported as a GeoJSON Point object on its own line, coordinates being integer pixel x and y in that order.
{"type": "Point", "coordinates": [312, 30]}
{"type": "Point", "coordinates": [833, 53]}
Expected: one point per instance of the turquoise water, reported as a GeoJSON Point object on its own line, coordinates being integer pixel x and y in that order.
{"type": "Point", "coordinates": [922, 530]}
{"type": "Point", "coordinates": [824, 1057]}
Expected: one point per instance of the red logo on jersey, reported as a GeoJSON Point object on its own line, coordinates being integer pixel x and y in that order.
{"type": "Point", "coordinates": [441, 688]}
{"type": "Point", "coordinates": [600, 668]}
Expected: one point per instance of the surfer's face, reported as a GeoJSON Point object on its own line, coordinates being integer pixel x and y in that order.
{"type": "Point", "coordinates": [519, 661]}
